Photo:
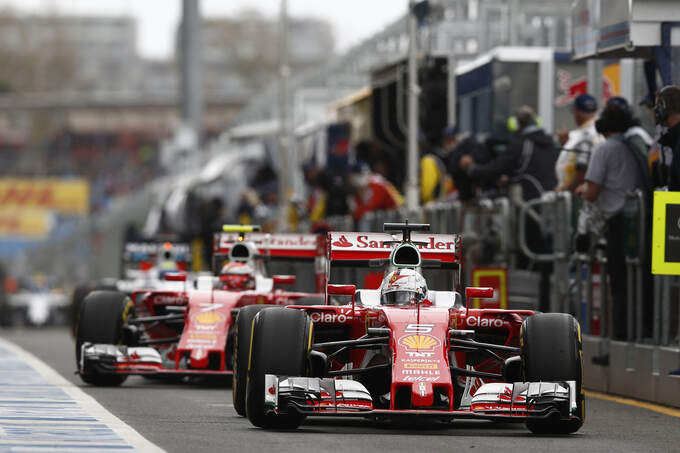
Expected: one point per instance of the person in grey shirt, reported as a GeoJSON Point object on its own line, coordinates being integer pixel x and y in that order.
{"type": "Point", "coordinates": [616, 167]}
{"type": "Point", "coordinates": [612, 173]}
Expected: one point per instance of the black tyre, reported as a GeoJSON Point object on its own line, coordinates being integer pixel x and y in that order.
{"type": "Point", "coordinates": [101, 320]}
{"type": "Point", "coordinates": [242, 330]}
{"type": "Point", "coordinates": [552, 351]}
{"type": "Point", "coordinates": [280, 344]}
{"type": "Point", "coordinates": [79, 294]}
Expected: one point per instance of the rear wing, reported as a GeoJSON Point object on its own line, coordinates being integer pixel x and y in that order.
{"type": "Point", "coordinates": [275, 245]}
{"type": "Point", "coordinates": [365, 255]}
{"type": "Point", "coordinates": [358, 247]}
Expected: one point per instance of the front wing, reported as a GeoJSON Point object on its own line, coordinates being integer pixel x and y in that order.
{"type": "Point", "coordinates": [123, 360]}
{"type": "Point", "coordinates": [516, 402]}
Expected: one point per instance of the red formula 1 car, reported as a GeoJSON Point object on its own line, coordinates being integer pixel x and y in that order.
{"type": "Point", "coordinates": [191, 332]}
{"type": "Point", "coordinates": [406, 350]}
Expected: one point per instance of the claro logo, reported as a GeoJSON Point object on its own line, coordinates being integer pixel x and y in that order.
{"type": "Point", "coordinates": [478, 321]}
{"type": "Point", "coordinates": [329, 318]}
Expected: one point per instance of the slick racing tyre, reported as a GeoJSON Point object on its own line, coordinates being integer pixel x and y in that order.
{"type": "Point", "coordinates": [280, 344]}
{"type": "Point", "coordinates": [552, 351]}
{"type": "Point", "coordinates": [243, 323]}
{"type": "Point", "coordinates": [79, 293]}
{"type": "Point", "coordinates": [101, 320]}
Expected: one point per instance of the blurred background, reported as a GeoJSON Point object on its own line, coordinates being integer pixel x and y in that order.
{"type": "Point", "coordinates": [156, 120]}
{"type": "Point", "coordinates": [94, 131]}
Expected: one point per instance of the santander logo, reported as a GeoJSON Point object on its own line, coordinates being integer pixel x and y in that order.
{"type": "Point", "coordinates": [342, 242]}
{"type": "Point", "coordinates": [438, 243]}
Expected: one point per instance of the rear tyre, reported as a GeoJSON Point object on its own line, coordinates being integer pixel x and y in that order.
{"type": "Point", "coordinates": [552, 351]}
{"type": "Point", "coordinates": [242, 332]}
{"type": "Point", "coordinates": [280, 344]}
{"type": "Point", "coordinates": [101, 320]}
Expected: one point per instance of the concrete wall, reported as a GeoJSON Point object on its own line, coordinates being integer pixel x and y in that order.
{"type": "Point", "coordinates": [635, 370]}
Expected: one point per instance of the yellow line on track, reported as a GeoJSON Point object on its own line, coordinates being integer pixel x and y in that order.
{"type": "Point", "coordinates": [631, 402]}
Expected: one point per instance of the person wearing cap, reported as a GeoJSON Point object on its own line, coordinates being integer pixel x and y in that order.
{"type": "Point", "coordinates": [574, 156]}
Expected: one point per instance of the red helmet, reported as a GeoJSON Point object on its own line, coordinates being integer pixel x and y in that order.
{"type": "Point", "coordinates": [237, 277]}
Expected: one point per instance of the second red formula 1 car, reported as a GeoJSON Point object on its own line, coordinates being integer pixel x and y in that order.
{"type": "Point", "coordinates": [191, 332]}
{"type": "Point", "coordinates": [406, 350]}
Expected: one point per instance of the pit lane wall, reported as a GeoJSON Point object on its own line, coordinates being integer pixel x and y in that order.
{"type": "Point", "coordinates": [635, 370]}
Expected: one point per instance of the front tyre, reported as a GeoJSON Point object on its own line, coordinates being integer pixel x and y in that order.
{"type": "Point", "coordinates": [242, 333]}
{"type": "Point", "coordinates": [102, 317]}
{"type": "Point", "coordinates": [280, 343]}
{"type": "Point", "coordinates": [552, 351]}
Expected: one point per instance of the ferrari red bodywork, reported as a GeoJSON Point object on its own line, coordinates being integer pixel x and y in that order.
{"type": "Point", "coordinates": [191, 332]}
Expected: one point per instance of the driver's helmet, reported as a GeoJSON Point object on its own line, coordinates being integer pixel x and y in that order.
{"type": "Point", "coordinates": [403, 286]}
{"type": "Point", "coordinates": [237, 276]}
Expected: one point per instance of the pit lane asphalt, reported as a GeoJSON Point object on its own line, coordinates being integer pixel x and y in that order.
{"type": "Point", "coordinates": [200, 418]}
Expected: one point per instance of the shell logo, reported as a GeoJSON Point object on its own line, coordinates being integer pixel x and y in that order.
{"type": "Point", "coordinates": [208, 318]}
{"type": "Point", "coordinates": [420, 342]}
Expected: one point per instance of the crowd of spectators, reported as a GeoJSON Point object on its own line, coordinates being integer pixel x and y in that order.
{"type": "Point", "coordinates": [115, 163]}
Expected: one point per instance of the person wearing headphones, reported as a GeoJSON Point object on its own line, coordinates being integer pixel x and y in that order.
{"type": "Point", "coordinates": [667, 114]}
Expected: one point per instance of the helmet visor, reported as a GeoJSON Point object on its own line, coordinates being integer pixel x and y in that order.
{"type": "Point", "coordinates": [399, 298]}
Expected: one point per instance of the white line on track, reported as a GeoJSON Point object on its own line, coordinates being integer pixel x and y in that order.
{"type": "Point", "coordinates": [85, 401]}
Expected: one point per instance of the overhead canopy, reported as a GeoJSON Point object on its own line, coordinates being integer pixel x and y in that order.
{"type": "Point", "coordinates": [620, 28]}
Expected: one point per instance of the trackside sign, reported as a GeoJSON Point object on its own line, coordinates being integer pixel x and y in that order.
{"type": "Point", "coordinates": [66, 196]}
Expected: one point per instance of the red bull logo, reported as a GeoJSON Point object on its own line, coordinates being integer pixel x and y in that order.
{"type": "Point", "coordinates": [569, 88]}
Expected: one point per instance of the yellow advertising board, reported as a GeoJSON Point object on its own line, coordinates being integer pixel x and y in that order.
{"type": "Point", "coordinates": [66, 196]}
{"type": "Point", "coordinates": [666, 233]}
{"type": "Point", "coordinates": [492, 277]}
{"type": "Point", "coordinates": [611, 80]}
{"type": "Point", "coordinates": [24, 223]}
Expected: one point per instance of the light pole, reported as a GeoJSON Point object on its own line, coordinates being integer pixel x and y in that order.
{"type": "Point", "coordinates": [285, 141]}
{"type": "Point", "coordinates": [412, 183]}
{"type": "Point", "coordinates": [191, 95]}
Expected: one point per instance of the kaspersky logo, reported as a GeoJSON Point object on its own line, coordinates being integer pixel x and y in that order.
{"type": "Point", "coordinates": [342, 242]}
